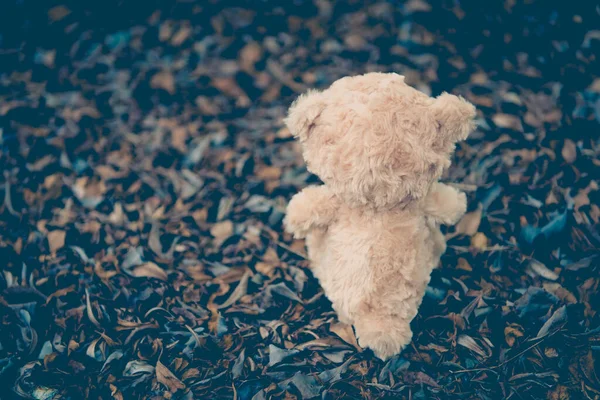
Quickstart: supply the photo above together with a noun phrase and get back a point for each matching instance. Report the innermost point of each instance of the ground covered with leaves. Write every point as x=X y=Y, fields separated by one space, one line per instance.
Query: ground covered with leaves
x=146 y=170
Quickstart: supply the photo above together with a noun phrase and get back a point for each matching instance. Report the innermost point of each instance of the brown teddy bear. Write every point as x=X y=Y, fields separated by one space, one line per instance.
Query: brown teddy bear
x=372 y=230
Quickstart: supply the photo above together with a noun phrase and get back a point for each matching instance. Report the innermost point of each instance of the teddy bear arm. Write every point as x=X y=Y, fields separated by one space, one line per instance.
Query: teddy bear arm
x=445 y=204
x=312 y=208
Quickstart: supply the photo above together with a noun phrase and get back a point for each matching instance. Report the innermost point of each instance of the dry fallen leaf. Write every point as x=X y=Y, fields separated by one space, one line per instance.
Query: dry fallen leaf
x=167 y=378
x=469 y=224
x=59 y=12
x=88 y=308
x=479 y=241
x=221 y=231
x=149 y=270
x=346 y=333
x=541 y=270
x=163 y=80
x=560 y=292
x=508 y=121
x=250 y=55
x=470 y=343
x=239 y=291
x=182 y=34
x=511 y=333
x=569 y=151
x=56 y=240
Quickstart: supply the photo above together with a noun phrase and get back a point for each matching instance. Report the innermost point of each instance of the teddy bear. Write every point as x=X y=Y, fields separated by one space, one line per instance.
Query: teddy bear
x=372 y=229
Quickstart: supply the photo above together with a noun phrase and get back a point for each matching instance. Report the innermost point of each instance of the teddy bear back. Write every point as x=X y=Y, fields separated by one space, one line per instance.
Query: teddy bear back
x=376 y=141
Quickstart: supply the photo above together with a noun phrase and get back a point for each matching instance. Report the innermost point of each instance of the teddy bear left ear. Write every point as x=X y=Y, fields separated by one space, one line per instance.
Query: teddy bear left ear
x=304 y=113
x=454 y=115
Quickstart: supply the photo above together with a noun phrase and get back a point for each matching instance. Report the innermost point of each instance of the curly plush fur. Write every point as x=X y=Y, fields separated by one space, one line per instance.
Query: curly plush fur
x=372 y=230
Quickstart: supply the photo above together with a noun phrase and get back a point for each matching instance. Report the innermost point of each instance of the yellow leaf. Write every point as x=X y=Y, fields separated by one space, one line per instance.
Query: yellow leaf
x=479 y=241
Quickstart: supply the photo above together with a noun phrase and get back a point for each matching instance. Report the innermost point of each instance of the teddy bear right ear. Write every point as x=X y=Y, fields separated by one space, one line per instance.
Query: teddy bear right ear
x=454 y=115
x=304 y=113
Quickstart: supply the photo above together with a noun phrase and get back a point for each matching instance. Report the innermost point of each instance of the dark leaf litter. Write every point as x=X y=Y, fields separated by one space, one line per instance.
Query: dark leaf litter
x=146 y=170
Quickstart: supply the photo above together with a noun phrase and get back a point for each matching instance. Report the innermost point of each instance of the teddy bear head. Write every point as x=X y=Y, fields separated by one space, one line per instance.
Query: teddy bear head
x=375 y=141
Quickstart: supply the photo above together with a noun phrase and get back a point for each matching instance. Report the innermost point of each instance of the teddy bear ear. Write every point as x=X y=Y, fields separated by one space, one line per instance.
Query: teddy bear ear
x=454 y=115
x=304 y=113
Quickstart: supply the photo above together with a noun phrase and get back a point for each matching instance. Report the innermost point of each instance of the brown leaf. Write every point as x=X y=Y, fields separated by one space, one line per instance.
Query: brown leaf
x=167 y=378
x=91 y=350
x=250 y=55
x=560 y=292
x=569 y=151
x=540 y=269
x=264 y=268
x=165 y=31
x=56 y=240
x=73 y=345
x=511 y=333
x=269 y=173
x=154 y=240
x=508 y=121
x=463 y=264
x=115 y=393
x=190 y=373
x=346 y=333
x=281 y=75
x=206 y=106
x=470 y=343
x=469 y=224
x=239 y=291
x=149 y=270
x=550 y=352
x=421 y=378
x=88 y=307
x=164 y=80
x=231 y=89
x=559 y=393
x=179 y=136
x=57 y=13
x=182 y=34
x=221 y=231
x=41 y=163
